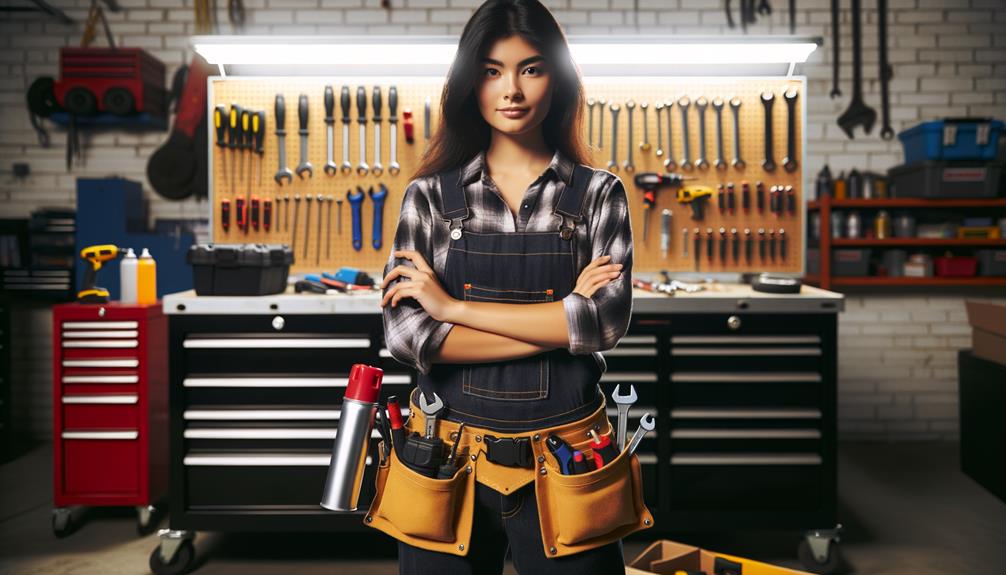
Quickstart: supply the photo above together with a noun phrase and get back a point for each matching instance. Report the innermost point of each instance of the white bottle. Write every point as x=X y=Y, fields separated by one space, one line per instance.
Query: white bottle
x=127 y=277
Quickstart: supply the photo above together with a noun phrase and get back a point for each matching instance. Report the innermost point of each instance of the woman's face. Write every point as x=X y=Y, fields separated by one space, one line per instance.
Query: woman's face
x=514 y=75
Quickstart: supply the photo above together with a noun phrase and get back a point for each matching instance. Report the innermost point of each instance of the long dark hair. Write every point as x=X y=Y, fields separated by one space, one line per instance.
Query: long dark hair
x=463 y=132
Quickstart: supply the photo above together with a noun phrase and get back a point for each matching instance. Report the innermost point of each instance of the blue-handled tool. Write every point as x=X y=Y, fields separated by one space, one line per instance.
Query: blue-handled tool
x=378 y=201
x=563 y=453
x=356 y=203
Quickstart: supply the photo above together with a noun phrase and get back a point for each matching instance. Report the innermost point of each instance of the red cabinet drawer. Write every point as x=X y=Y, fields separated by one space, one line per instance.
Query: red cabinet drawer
x=94 y=467
x=104 y=411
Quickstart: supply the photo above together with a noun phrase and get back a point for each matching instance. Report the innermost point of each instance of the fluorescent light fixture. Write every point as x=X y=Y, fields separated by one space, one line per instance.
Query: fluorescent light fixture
x=432 y=55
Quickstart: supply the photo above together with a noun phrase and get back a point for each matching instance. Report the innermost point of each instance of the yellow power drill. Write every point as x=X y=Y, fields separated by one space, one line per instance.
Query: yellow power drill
x=95 y=256
x=696 y=197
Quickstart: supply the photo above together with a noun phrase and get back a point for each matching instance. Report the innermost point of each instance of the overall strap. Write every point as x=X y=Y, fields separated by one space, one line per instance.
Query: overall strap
x=571 y=200
x=455 y=204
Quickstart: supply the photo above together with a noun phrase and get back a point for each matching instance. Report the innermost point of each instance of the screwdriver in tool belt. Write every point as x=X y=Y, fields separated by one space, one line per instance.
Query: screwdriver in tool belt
x=397 y=429
x=220 y=123
x=604 y=451
x=448 y=469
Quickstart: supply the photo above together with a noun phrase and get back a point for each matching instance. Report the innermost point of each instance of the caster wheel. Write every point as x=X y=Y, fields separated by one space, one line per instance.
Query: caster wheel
x=147 y=519
x=119 y=101
x=62 y=522
x=80 y=101
x=181 y=563
x=811 y=563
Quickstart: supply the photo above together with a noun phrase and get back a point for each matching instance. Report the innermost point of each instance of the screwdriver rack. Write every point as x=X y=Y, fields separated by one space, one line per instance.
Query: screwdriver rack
x=319 y=245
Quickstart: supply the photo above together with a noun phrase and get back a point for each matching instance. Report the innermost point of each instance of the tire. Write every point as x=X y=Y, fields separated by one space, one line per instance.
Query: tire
x=119 y=101
x=180 y=564
x=810 y=563
x=62 y=528
x=80 y=101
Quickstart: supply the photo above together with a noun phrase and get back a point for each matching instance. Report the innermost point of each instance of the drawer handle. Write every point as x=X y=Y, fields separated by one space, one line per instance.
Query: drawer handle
x=101 y=363
x=746 y=339
x=278 y=343
x=83 y=334
x=260 y=414
x=103 y=435
x=746 y=434
x=746 y=377
x=282 y=382
x=747 y=459
x=226 y=460
x=746 y=414
x=104 y=344
x=623 y=376
x=745 y=351
x=101 y=399
x=272 y=433
x=638 y=340
x=100 y=325
x=117 y=379
x=734 y=322
x=631 y=352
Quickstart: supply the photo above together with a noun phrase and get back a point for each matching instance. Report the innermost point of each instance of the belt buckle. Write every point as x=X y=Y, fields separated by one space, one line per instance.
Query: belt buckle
x=509 y=451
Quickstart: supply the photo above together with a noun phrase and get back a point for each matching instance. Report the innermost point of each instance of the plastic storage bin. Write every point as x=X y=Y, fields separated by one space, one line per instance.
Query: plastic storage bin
x=850 y=262
x=952 y=139
x=240 y=269
x=946 y=180
x=991 y=262
x=956 y=267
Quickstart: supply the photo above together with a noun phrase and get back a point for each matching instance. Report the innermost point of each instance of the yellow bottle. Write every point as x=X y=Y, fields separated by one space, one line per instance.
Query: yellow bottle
x=146 y=279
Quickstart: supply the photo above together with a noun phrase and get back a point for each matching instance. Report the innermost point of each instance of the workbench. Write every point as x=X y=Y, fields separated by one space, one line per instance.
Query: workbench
x=256 y=384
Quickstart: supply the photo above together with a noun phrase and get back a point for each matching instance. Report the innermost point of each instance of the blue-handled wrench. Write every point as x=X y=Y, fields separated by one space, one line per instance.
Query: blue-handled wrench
x=356 y=203
x=378 y=201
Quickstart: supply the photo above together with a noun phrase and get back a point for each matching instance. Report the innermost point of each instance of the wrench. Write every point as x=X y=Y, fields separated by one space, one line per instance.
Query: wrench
x=700 y=107
x=720 y=163
x=431 y=411
x=768 y=101
x=283 y=172
x=304 y=165
x=377 y=168
x=613 y=164
x=307 y=223
x=628 y=165
x=645 y=144
x=858 y=114
x=600 y=132
x=886 y=72
x=669 y=163
x=624 y=402
x=764 y=8
x=347 y=167
x=330 y=168
x=590 y=122
x=789 y=162
x=393 y=167
x=378 y=227
x=836 y=91
x=683 y=104
x=647 y=423
x=735 y=107
x=361 y=111
x=355 y=203
x=659 y=107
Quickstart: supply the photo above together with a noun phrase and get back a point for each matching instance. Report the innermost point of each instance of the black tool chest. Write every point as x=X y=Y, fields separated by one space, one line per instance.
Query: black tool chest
x=748 y=443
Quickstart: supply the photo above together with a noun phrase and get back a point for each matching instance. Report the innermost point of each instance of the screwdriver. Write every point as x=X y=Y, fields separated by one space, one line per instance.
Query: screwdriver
x=604 y=451
x=219 y=113
x=258 y=127
x=246 y=144
x=448 y=469
x=233 y=127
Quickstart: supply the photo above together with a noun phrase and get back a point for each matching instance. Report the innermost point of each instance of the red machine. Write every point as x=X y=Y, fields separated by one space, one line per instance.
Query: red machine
x=110 y=410
x=116 y=80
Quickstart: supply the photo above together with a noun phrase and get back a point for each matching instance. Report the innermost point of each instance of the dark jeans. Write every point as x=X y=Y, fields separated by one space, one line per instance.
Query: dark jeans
x=502 y=523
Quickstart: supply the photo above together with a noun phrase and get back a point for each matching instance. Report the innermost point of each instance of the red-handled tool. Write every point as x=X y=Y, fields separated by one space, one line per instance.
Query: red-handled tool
x=604 y=450
x=225 y=214
x=241 y=214
x=397 y=428
x=254 y=212
x=267 y=214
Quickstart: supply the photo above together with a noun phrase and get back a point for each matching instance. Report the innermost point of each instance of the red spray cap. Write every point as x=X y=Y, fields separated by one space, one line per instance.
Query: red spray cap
x=394 y=412
x=364 y=383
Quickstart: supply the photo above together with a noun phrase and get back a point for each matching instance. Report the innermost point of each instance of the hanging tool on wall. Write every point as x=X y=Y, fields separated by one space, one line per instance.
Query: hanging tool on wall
x=686 y=162
x=886 y=72
x=644 y=146
x=735 y=109
x=355 y=204
x=836 y=52
x=330 y=168
x=258 y=123
x=858 y=114
x=283 y=172
x=361 y=117
x=665 y=233
x=768 y=102
x=344 y=105
x=613 y=162
x=304 y=167
x=393 y=167
x=426 y=121
x=695 y=197
x=789 y=163
x=629 y=165
x=307 y=223
x=650 y=183
x=377 y=168
x=377 y=199
x=701 y=104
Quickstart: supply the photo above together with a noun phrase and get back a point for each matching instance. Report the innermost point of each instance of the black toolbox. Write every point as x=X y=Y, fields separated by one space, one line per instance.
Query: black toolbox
x=240 y=269
x=940 y=179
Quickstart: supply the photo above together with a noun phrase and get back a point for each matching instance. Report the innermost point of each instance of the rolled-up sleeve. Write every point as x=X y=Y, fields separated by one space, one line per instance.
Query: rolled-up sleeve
x=410 y=334
x=598 y=322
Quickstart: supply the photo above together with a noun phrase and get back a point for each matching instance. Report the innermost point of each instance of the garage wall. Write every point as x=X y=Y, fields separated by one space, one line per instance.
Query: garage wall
x=898 y=366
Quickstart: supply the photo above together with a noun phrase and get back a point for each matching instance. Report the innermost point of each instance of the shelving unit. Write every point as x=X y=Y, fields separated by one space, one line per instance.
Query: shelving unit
x=826 y=204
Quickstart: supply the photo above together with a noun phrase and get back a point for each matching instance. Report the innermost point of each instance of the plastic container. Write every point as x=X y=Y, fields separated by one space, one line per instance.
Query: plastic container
x=991 y=262
x=937 y=179
x=894 y=262
x=850 y=262
x=956 y=266
x=146 y=279
x=952 y=139
x=127 y=277
x=240 y=269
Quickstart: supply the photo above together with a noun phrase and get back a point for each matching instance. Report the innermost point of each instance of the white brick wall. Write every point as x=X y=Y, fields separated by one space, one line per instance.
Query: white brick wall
x=897 y=353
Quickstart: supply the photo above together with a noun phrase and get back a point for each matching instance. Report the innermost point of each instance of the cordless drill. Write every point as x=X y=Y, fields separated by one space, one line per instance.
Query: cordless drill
x=95 y=256
x=650 y=182
x=696 y=197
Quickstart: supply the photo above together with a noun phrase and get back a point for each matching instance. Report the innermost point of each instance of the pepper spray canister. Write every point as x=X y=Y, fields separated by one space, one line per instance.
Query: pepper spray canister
x=349 y=452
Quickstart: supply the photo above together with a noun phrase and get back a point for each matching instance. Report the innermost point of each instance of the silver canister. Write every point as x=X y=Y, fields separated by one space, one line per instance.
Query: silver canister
x=837 y=225
x=352 y=440
x=853 y=226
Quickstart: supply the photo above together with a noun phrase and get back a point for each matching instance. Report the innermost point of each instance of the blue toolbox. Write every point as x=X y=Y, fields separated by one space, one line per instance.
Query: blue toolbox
x=952 y=139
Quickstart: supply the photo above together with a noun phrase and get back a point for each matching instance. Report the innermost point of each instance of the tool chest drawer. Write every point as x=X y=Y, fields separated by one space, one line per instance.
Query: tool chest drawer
x=110 y=400
x=274 y=388
x=256 y=352
x=746 y=481
x=766 y=389
x=633 y=353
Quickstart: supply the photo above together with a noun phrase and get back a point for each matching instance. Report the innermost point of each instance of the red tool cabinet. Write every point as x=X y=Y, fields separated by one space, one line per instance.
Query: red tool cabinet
x=110 y=410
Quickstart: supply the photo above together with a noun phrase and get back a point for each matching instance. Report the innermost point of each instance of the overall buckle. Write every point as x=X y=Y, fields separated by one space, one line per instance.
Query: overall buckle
x=509 y=451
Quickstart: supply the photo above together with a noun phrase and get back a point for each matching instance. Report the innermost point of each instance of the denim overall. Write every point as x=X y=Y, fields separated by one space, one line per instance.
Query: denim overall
x=515 y=395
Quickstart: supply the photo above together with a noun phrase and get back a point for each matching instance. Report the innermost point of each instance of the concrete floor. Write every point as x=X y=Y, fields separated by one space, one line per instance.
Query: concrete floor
x=907 y=509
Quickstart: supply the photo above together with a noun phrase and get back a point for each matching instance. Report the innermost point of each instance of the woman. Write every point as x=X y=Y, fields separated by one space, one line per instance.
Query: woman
x=510 y=272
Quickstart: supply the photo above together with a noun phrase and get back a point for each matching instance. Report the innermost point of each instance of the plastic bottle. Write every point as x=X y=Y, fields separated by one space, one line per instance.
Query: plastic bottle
x=127 y=277
x=146 y=279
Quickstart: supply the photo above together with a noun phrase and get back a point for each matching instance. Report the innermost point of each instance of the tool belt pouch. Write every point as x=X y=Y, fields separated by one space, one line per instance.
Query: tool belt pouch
x=588 y=510
x=432 y=514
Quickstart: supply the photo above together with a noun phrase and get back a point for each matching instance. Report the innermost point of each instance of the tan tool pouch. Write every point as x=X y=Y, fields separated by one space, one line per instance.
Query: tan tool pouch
x=433 y=514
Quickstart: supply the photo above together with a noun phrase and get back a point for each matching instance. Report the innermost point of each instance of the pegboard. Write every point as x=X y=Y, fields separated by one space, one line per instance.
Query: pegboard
x=335 y=249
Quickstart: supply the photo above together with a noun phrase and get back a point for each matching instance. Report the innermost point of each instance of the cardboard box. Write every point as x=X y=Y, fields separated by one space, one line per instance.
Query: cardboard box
x=988 y=337
x=665 y=557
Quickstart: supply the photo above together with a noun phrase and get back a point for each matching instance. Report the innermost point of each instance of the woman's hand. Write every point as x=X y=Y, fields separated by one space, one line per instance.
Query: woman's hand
x=423 y=286
x=596 y=275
